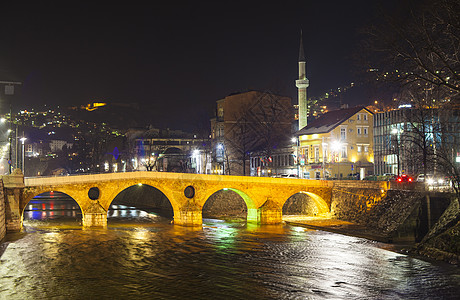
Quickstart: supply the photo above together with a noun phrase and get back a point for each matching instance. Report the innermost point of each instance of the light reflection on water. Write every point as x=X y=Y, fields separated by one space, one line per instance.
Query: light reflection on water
x=142 y=255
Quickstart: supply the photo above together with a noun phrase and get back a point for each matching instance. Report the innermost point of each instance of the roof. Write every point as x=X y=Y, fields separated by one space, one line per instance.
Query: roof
x=330 y=120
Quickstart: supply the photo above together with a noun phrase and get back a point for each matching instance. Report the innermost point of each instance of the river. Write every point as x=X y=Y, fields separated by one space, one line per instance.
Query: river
x=141 y=255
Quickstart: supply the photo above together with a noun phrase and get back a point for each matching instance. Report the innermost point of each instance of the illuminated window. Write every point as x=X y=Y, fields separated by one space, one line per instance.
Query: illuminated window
x=344 y=152
x=343 y=133
x=366 y=149
x=316 y=154
x=359 y=148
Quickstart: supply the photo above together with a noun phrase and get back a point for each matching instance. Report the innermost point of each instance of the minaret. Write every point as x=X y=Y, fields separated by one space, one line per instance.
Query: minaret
x=302 y=84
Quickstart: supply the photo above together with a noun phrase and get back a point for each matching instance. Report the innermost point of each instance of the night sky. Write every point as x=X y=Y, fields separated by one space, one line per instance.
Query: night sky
x=176 y=60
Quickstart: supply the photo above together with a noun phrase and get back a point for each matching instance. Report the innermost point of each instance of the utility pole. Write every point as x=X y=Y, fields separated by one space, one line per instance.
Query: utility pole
x=9 y=90
x=16 y=148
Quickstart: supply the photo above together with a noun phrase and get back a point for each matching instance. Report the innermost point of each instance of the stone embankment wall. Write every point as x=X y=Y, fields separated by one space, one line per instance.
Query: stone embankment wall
x=401 y=215
x=223 y=204
x=443 y=240
x=2 y=212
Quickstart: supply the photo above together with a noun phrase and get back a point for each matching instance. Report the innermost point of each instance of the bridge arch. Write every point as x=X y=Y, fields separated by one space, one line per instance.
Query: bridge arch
x=144 y=195
x=320 y=205
x=248 y=199
x=226 y=202
x=115 y=190
x=39 y=192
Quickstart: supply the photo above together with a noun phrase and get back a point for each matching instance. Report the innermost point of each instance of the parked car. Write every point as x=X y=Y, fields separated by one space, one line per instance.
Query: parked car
x=288 y=175
x=432 y=180
x=404 y=178
x=389 y=177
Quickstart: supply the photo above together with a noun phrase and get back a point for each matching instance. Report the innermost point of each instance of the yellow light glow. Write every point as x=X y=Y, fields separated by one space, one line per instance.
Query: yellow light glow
x=94 y=106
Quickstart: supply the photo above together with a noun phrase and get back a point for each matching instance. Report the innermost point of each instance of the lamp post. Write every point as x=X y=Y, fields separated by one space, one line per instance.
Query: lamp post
x=23 y=139
x=221 y=153
x=296 y=141
x=396 y=132
x=336 y=146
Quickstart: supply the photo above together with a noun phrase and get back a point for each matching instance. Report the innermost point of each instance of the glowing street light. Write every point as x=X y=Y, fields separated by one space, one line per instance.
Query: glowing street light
x=23 y=139
x=336 y=147
x=396 y=132
x=296 y=141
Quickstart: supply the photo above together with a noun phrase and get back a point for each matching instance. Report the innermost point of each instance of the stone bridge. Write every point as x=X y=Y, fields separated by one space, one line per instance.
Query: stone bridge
x=187 y=193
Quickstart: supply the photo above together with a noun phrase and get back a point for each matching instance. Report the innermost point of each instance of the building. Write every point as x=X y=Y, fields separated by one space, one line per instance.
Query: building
x=247 y=122
x=57 y=145
x=409 y=140
x=281 y=163
x=337 y=145
x=168 y=150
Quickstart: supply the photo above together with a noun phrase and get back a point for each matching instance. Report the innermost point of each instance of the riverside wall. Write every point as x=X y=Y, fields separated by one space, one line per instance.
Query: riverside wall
x=401 y=215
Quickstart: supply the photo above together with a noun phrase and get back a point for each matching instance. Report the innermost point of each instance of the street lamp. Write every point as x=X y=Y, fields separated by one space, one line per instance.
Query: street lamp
x=396 y=132
x=336 y=146
x=196 y=157
x=23 y=139
x=221 y=153
x=296 y=141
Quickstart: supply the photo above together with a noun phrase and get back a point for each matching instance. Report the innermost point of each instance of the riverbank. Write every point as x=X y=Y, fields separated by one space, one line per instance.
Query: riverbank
x=342 y=227
x=435 y=250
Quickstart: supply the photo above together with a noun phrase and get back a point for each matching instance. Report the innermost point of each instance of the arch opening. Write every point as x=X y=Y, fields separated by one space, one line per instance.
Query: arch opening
x=227 y=204
x=304 y=206
x=141 y=203
x=53 y=206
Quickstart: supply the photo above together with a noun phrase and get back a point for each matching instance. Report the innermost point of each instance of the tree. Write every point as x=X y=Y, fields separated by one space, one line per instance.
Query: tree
x=260 y=125
x=420 y=46
x=419 y=50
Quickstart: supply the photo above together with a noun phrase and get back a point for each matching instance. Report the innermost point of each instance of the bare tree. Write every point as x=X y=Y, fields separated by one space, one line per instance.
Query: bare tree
x=260 y=125
x=420 y=51
x=419 y=46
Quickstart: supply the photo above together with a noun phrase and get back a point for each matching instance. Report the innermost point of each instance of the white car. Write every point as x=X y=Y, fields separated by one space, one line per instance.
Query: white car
x=431 y=180
x=288 y=176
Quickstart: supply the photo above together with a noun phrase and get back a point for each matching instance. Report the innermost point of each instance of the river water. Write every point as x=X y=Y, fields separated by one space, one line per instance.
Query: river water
x=141 y=255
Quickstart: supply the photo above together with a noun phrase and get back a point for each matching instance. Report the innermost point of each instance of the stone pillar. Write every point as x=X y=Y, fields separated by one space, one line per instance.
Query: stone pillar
x=188 y=215
x=95 y=216
x=13 y=189
x=269 y=213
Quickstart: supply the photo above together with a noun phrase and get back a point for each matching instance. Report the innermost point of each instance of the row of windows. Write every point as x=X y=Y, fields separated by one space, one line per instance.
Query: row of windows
x=362 y=130
x=275 y=161
x=360 y=117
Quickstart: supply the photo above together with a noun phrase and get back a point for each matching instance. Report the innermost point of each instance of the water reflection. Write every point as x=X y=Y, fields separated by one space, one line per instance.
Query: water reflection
x=51 y=205
x=142 y=255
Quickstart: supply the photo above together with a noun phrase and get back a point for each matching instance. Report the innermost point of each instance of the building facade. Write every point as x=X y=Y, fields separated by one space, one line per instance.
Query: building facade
x=168 y=151
x=247 y=122
x=411 y=140
x=281 y=163
x=337 y=145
